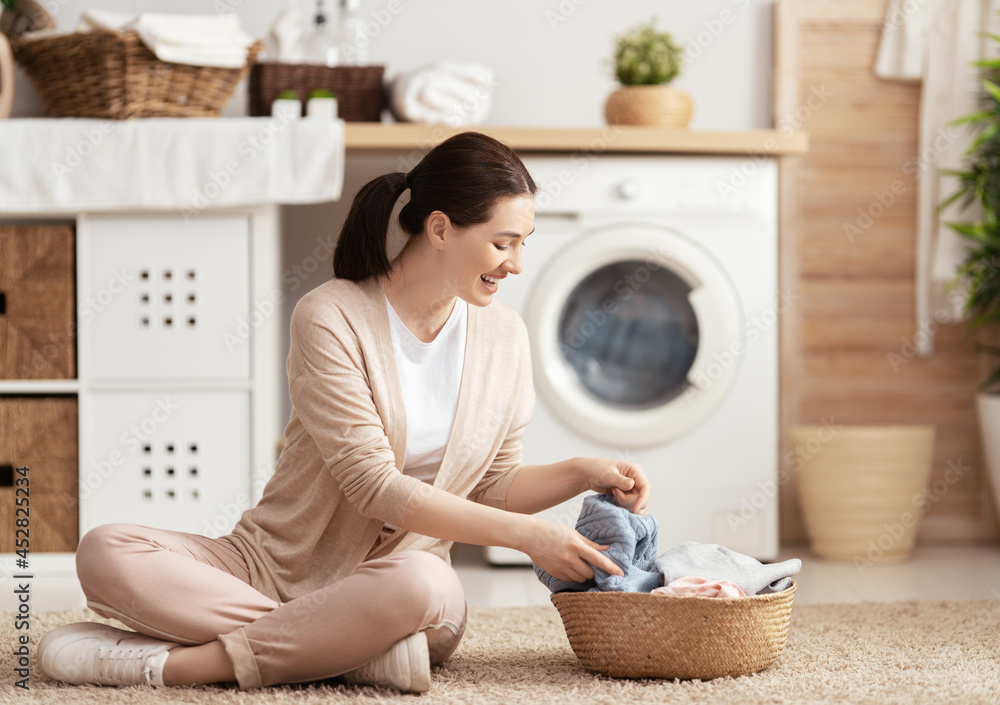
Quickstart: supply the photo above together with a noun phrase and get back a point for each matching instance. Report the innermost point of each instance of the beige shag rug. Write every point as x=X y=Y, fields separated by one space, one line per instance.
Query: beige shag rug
x=903 y=652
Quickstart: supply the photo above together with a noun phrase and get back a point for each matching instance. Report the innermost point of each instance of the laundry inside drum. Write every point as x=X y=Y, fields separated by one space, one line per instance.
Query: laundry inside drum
x=630 y=334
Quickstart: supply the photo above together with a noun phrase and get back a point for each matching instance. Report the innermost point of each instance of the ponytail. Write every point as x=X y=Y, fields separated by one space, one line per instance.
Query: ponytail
x=464 y=177
x=361 y=248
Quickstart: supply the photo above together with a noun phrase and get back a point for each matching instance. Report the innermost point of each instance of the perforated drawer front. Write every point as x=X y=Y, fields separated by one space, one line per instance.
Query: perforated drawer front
x=165 y=297
x=172 y=461
x=39 y=433
x=37 y=322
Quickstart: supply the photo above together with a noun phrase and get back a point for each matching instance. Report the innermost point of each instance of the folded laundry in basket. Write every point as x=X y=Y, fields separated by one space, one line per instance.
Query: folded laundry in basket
x=631 y=539
x=693 y=586
x=715 y=562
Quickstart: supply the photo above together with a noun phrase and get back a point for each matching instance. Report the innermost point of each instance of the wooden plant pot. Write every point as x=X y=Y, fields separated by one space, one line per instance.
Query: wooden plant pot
x=660 y=106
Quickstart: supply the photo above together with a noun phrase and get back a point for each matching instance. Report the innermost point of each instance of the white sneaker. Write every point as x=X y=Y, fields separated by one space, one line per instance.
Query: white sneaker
x=99 y=654
x=406 y=666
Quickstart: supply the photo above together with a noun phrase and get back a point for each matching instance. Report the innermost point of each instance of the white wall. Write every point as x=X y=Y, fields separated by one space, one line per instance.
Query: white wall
x=550 y=57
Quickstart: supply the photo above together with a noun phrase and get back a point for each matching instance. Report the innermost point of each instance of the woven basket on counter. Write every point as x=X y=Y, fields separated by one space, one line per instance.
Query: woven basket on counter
x=360 y=95
x=111 y=74
x=648 y=635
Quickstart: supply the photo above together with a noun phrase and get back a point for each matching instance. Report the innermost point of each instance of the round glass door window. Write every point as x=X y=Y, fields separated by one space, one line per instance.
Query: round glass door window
x=630 y=334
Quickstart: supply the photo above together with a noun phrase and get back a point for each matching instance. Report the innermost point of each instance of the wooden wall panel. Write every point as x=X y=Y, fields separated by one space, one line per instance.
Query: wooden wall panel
x=856 y=292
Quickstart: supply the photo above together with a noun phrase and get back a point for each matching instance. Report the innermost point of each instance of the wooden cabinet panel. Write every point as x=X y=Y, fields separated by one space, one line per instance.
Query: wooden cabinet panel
x=37 y=318
x=856 y=305
x=41 y=433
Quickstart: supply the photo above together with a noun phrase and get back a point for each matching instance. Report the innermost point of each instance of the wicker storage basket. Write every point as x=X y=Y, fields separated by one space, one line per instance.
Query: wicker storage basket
x=644 y=635
x=40 y=432
x=111 y=74
x=37 y=295
x=360 y=95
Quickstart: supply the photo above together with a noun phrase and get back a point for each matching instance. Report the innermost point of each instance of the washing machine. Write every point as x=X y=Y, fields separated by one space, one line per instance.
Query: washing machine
x=650 y=293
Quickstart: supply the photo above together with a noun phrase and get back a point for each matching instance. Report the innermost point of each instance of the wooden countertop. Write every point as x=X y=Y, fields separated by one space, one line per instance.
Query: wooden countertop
x=609 y=139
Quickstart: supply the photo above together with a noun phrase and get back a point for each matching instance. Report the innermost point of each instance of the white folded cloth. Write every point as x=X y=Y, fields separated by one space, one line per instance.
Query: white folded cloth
x=104 y=19
x=450 y=93
x=199 y=40
x=74 y=165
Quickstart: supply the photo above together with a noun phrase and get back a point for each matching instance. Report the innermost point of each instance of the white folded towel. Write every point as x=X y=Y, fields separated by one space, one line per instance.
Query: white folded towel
x=450 y=93
x=104 y=19
x=199 y=40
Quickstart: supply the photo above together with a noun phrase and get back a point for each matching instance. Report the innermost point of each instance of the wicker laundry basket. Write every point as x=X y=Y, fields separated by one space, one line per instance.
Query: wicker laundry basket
x=111 y=74
x=648 y=635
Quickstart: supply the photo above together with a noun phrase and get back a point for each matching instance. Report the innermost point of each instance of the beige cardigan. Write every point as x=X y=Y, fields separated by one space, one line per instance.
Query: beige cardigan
x=337 y=480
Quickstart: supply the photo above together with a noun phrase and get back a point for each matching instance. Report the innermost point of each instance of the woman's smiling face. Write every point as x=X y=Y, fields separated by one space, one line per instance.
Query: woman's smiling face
x=477 y=258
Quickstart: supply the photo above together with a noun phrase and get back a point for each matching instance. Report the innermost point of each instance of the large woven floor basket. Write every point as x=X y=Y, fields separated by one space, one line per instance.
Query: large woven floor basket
x=111 y=74
x=646 y=635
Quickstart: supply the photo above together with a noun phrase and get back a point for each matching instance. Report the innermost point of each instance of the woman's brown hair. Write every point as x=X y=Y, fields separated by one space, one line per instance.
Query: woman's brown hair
x=464 y=177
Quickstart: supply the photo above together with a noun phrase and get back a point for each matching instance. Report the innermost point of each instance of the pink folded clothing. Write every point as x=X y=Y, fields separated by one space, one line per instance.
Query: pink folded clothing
x=693 y=586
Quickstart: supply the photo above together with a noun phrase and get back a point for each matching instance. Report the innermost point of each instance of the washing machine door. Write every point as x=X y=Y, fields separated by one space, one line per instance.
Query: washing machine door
x=636 y=334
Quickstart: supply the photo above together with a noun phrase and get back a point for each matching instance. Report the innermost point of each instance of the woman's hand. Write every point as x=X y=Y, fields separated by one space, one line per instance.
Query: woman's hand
x=565 y=553
x=625 y=480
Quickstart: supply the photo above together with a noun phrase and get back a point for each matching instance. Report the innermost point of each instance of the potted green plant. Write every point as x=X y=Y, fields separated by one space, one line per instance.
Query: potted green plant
x=645 y=62
x=978 y=278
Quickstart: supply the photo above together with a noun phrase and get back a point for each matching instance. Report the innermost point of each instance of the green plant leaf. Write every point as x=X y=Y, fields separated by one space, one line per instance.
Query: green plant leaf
x=987 y=63
x=991 y=381
x=973 y=231
x=971 y=118
x=9 y=4
x=992 y=88
x=978 y=183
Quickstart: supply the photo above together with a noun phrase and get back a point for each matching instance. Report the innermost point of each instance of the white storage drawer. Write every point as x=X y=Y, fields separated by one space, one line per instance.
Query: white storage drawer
x=164 y=298
x=170 y=460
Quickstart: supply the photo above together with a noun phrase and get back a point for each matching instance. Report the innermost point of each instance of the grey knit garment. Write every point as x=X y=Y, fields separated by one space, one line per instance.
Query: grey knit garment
x=632 y=541
x=715 y=562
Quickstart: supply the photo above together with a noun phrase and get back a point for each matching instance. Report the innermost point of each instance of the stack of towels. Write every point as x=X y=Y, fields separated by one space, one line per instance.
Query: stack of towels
x=691 y=568
x=199 y=40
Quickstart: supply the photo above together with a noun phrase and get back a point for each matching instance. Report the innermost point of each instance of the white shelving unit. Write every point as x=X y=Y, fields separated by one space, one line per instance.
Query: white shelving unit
x=178 y=280
x=178 y=383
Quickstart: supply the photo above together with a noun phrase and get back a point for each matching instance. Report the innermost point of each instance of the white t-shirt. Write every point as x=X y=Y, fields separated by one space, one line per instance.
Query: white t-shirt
x=430 y=375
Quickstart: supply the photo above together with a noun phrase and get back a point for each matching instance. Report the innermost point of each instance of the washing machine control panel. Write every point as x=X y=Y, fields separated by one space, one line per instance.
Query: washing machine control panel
x=693 y=185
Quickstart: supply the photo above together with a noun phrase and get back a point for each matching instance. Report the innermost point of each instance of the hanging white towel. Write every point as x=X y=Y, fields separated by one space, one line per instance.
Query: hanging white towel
x=936 y=41
x=902 y=51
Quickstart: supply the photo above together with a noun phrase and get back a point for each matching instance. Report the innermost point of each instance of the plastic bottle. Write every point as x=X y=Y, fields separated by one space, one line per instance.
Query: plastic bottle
x=285 y=40
x=353 y=38
x=322 y=44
